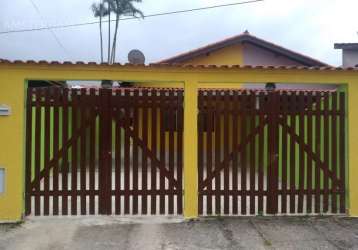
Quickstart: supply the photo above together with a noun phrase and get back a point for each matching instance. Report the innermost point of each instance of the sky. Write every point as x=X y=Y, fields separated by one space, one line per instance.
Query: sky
x=310 y=27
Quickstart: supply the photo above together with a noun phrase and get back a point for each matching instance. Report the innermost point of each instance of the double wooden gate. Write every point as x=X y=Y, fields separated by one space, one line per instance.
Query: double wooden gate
x=104 y=151
x=263 y=152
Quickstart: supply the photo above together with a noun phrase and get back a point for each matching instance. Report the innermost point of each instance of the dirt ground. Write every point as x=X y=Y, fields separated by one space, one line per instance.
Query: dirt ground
x=106 y=232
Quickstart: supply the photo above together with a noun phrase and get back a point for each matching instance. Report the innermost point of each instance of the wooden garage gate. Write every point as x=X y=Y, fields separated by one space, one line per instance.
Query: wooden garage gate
x=104 y=151
x=120 y=151
x=270 y=152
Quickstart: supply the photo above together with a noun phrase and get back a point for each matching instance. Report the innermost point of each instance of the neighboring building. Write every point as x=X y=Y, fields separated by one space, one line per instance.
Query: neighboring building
x=349 y=54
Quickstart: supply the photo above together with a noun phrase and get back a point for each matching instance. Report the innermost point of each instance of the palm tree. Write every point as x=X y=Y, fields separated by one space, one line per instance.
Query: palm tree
x=123 y=8
x=119 y=8
x=99 y=10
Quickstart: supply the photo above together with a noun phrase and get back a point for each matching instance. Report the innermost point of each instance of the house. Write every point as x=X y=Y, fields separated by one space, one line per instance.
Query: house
x=247 y=49
x=349 y=54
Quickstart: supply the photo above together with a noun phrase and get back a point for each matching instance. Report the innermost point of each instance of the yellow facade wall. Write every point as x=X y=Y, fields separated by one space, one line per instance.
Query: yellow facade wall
x=230 y=55
x=12 y=128
x=12 y=89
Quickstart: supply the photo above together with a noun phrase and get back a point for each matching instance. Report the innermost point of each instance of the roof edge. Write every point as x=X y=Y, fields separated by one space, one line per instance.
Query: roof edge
x=245 y=37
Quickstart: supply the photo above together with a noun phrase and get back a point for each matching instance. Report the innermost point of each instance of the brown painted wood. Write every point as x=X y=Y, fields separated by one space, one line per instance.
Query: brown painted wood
x=272 y=177
x=92 y=149
x=318 y=150
x=74 y=96
x=56 y=122
x=334 y=166
x=144 y=156
x=162 y=136
x=293 y=102
x=38 y=93
x=235 y=140
x=210 y=102
x=252 y=151
x=309 y=159
x=284 y=163
x=243 y=151
x=46 y=152
x=326 y=153
x=218 y=109
x=135 y=150
x=118 y=150
x=226 y=121
x=262 y=107
x=179 y=189
x=301 y=164
x=154 y=147
x=342 y=152
x=172 y=129
x=83 y=109
x=65 y=164
x=29 y=138
x=126 y=105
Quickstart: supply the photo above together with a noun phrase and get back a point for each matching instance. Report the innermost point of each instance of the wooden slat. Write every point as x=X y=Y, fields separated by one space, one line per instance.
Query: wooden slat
x=154 y=146
x=243 y=107
x=38 y=93
x=318 y=150
x=271 y=145
x=126 y=103
x=163 y=111
x=342 y=151
x=293 y=103
x=92 y=149
x=261 y=154
x=218 y=110
x=144 y=156
x=326 y=153
x=272 y=177
x=56 y=133
x=226 y=103
x=28 y=169
x=252 y=151
x=209 y=158
x=301 y=164
x=334 y=152
x=65 y=167
x=172 y=125
x=284 y=164
x=84 y=104
x=200 y=147
x=309 y=159
x=74 y=153
x=108 y=149
x=180 y=152
x=135 y=152
x=46 y=152
x=118 y=149
x=235 y=140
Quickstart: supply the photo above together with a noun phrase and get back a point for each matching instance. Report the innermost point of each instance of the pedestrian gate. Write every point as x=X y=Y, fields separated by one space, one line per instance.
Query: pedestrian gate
x=269 y=152
x=104 y=151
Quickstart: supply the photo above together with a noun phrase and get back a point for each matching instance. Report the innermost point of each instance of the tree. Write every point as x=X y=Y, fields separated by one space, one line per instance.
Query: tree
x=119 y=8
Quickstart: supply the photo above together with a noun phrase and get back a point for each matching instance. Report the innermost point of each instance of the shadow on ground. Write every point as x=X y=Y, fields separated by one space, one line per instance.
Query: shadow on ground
x=174 y=233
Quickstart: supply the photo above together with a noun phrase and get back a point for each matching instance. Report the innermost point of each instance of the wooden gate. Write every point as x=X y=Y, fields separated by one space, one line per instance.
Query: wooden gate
x=278 y=152
x=103 y=151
